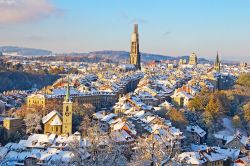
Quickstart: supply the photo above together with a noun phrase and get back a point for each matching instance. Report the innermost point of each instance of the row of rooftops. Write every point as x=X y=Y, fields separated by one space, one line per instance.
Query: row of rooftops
x=202 y=154
x=226 y=139
x=12 y=99
x=116 y=86
x=46 y=149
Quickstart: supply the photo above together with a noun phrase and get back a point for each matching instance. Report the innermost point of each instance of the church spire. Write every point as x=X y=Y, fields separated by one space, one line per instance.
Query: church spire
x=136 y=28
x=217 y=63
x=67 y=97
x=67 y=112
x=217 y=58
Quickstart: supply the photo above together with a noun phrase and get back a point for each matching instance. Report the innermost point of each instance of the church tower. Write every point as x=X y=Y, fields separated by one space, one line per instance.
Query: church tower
x=135 y=57
x=193 y=59
x=67 y=112
x=217 y=63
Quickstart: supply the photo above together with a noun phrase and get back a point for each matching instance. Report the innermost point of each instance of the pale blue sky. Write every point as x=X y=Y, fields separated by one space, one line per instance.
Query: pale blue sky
x=169 y=27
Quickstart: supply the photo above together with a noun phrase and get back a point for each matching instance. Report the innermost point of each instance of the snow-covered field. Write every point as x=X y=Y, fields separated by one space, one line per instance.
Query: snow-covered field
x=229 y=128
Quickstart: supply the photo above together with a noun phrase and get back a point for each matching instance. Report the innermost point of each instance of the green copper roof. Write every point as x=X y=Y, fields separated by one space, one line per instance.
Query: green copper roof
x=67 y=97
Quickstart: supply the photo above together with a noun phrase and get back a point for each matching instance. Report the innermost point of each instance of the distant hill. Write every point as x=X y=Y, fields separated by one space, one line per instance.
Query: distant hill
x=95 y=56
x=123 y=56
x=21 y=51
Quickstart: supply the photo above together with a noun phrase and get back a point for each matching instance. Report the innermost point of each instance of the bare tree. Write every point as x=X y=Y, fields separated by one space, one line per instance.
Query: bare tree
x=33 y=123
x=150 y=151
x=104 y=151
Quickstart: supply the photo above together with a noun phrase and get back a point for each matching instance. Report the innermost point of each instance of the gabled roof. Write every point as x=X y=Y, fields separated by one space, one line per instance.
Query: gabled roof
x=56 y=121
x=108 y=117
x=50 y=115
x=197 y=130
x=119 y=125
x=192 y=158
x=242 y=139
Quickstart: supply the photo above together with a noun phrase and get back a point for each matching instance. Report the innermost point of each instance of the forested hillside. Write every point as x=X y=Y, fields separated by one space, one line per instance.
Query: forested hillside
x=232 y=103
x=10 y=80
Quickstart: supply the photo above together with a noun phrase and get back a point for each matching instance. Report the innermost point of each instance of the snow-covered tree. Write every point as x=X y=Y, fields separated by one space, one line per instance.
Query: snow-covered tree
x=104 y=151
x=74 y=147
x=89 y=109
x=33 y=123
x=150 y=151
x=85 y=125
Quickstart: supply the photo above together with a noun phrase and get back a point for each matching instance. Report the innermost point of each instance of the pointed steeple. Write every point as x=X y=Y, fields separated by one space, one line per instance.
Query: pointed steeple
x=67 y=113
x=217 y=61
x=67 y=97
x=136 y=28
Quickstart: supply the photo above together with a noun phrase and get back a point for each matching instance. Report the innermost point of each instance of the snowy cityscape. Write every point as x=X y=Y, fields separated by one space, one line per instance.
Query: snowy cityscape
x=120 y=108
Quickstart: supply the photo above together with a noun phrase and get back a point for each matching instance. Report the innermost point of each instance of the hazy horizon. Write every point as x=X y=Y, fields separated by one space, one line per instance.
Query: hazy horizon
x=165 y=27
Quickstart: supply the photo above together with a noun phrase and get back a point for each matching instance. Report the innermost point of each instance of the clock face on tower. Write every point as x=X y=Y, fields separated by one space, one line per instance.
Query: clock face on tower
x=67 y=113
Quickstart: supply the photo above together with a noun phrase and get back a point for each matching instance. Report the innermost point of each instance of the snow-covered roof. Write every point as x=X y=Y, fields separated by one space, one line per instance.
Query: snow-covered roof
x=17 y=146
x=108 y=117
x=175 y=131
x=41 y=96
x=148 y=119
x=62 y=91
x=121 y=136
x=12 y=155
x=127 y=66
x=50 y=115
x=99 y=115
x=214 y=156
x=232 y=153
x=46 y=155
x=65 y=157
x=182 y=94
x=3 y=152
x=119 y=126
x=229 y=138
x=216 y=153
x=166 y=104
x=194 y=158
x=39 y=140
x=197 y=130
x=22 y=155
x=140 y=114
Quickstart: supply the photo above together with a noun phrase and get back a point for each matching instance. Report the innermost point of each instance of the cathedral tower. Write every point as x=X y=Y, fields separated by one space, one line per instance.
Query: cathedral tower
x=135 y=57
x=193 y=59
x=67 y=112
x=217 y=63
